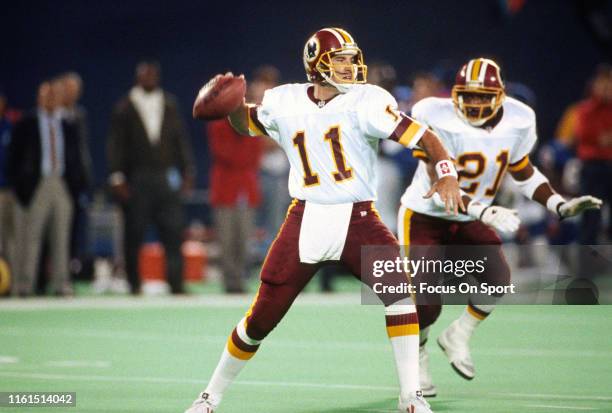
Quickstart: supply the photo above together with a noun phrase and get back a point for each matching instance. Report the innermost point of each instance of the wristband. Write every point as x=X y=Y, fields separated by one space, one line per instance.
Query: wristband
x=445 y=168
x=554 y=202
x=476 y=209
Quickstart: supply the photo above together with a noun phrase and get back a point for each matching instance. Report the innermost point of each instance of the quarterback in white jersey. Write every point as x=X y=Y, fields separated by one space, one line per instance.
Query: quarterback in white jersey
x=332 y=146
x=330 y=129
x=486 y=134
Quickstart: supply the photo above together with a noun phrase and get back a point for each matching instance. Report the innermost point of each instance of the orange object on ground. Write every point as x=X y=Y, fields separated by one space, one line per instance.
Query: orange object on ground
x=194 y=261
x=152 y=261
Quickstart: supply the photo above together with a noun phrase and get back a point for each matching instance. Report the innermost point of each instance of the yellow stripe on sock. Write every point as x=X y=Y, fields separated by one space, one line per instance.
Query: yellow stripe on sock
x=403 y=330
x=236 y=352
x=475 y=314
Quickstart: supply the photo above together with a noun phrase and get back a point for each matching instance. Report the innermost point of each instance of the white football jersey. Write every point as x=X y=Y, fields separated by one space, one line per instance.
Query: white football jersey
x=482 y=156
x=332 y=146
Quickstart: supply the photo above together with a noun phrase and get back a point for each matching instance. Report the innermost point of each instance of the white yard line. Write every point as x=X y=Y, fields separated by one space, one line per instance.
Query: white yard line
x=204 y=300
x=332 y=386
x=550 y=406
x=8 y=360
x=555 y=396
x=79 y=363
x=382 y=346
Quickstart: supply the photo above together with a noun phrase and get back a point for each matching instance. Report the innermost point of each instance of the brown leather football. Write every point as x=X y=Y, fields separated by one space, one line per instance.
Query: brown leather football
x=222 y=95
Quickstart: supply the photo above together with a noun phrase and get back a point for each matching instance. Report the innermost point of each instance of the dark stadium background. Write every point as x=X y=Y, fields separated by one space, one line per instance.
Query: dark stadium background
x=546 y=46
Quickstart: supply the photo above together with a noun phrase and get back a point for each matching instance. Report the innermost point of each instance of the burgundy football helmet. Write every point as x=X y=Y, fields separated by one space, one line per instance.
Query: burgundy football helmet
x=319 y=50
x=478 y=92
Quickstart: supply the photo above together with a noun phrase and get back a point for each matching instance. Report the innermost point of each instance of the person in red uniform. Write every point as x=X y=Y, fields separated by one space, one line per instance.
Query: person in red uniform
x=234 y=195
x=594 y=149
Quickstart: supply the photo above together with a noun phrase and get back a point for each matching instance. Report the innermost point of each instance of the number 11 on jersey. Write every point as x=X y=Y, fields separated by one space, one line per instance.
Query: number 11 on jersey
x=341 y=173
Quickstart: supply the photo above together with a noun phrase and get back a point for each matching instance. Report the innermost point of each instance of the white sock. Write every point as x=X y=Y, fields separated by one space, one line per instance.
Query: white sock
x=232 y=362
x=403 y=332
x=225 y=373
x=472 y=316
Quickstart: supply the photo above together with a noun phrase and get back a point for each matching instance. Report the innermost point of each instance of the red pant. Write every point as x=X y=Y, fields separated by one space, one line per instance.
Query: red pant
x=283 y=276
x=417 y=231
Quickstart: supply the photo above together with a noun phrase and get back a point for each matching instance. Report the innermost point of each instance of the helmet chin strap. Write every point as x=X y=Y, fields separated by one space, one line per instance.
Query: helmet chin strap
x=342 y=87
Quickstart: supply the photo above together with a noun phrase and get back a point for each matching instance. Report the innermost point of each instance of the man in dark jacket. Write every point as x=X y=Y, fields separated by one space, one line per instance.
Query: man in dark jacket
x=150 y=164
x=45 y=169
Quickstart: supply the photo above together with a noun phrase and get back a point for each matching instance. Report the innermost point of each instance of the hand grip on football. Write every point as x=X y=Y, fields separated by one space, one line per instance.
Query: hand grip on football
x=222 y=95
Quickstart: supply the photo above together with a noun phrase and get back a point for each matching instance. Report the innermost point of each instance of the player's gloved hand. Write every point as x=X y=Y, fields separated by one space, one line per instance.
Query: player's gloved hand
x=502 y=219
x=576 y=205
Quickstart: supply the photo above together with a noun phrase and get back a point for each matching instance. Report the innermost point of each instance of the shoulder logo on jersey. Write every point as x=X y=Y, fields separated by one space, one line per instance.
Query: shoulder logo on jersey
x=311 y=51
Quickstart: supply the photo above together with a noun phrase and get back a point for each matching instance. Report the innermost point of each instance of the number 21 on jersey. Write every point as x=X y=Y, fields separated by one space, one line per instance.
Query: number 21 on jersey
x=341 y=173
x=480 y=162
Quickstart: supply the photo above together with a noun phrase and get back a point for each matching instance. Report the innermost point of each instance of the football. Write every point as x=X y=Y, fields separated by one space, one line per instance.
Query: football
x=222 y=95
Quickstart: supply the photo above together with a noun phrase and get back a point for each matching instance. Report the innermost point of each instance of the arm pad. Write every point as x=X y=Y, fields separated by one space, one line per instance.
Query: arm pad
x=529 y=185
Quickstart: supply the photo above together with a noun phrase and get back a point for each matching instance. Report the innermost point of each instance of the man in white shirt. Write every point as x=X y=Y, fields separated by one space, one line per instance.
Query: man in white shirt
x=150 y=165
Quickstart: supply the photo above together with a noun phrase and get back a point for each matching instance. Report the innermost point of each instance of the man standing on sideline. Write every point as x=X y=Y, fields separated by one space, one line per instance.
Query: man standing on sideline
x=150 y=166
x=7 y=227
x=44 y=169
x=234 y=194
x=76 y=114
x=594 y=149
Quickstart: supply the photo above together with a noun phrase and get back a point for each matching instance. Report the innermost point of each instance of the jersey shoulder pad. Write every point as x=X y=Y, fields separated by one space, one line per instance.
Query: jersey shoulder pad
x=283 y=92
x=376 y=94
x=281 y=99
x=433 y=110
x=522 y=115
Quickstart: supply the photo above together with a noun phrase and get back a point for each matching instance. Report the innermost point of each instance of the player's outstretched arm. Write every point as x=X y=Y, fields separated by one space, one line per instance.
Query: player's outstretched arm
x=239 y=119
x=534 y=185
x=446 y=185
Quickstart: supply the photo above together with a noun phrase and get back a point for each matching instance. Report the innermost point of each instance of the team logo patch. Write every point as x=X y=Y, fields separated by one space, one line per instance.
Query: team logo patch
x=311 y=51
x=445 y=168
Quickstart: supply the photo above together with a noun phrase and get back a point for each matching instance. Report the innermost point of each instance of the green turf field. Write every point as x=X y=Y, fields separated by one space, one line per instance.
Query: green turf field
x=329 y=355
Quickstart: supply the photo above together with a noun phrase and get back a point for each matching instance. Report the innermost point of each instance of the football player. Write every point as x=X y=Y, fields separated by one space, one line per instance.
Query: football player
x=487 y=135
x=330 y=129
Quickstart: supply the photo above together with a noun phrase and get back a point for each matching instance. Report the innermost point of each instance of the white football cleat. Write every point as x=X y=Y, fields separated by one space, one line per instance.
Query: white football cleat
x=416 y=404
x=425 y=381
x=202 y=405
x=454 y=341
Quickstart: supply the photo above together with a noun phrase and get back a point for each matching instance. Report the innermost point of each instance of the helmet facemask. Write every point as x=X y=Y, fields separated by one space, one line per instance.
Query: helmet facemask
x=477 y=113
x=333 y=73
